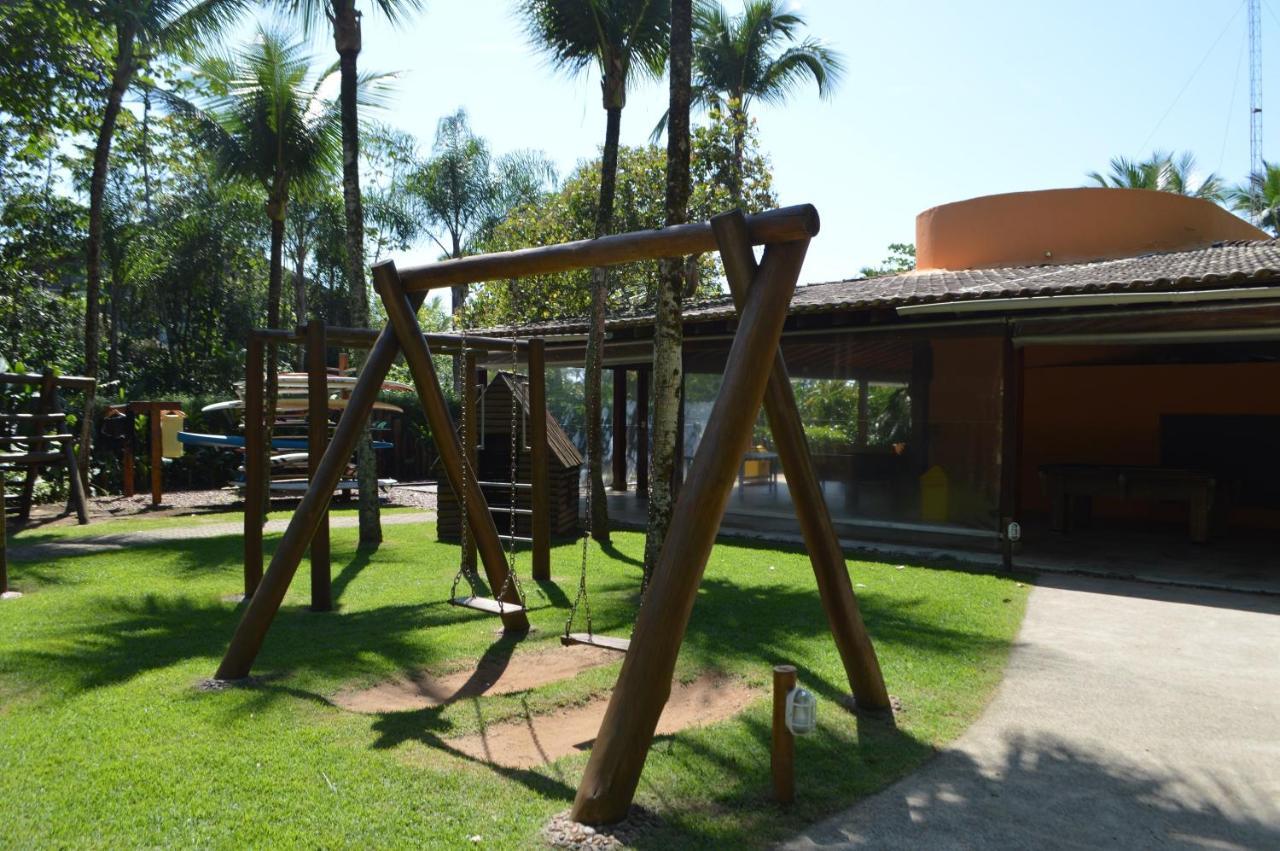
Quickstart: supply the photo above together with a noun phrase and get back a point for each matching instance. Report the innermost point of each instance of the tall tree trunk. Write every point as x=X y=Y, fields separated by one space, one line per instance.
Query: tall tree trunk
x=120 y=77
x=738 y=117
x=275 y=283
x=346 y=30
x=300 y=289
x=457 y=300
x=595 y=336
x=668 y=332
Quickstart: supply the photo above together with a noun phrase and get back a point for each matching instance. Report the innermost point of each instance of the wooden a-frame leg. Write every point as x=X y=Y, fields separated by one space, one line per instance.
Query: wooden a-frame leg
x=834 y=588
x=626 y=733
x=402 y=317
x=265 y=602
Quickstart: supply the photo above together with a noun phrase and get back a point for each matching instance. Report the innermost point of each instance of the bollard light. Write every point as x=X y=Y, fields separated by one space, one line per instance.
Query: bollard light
x=802 y=711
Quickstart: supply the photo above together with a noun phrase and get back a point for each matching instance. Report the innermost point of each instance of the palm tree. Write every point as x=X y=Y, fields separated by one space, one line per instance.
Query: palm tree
x=1260 y=196
x=758 y=54
x=264 y=121
x=140 y=29
x=668 y=336
x=344 y=19
x=1162 y=172
x=620 y=39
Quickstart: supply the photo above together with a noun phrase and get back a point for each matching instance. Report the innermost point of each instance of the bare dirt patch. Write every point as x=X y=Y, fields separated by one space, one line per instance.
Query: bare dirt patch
x=492 y=675
x=535 y=740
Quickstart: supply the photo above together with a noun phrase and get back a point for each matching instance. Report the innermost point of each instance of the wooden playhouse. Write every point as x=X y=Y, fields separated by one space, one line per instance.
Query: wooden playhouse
x=493 y=465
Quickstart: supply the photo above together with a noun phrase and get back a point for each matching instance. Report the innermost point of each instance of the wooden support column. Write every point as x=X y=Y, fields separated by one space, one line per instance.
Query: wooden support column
x=254 y=464
x=642 y=431
x=4 y=541
x=470 y=442
x=619 y=429
x=677 y=468
x=401 y=316
x=317 y=439
x=156 y=448
x=844 y=618
x=262 y=608
x=782 y=757
x=539 y=460
x=1010 y=440
x=626 y=733
x=78 y=499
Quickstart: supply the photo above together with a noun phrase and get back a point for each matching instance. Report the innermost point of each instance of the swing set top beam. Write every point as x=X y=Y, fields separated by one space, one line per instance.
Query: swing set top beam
x=788 y=224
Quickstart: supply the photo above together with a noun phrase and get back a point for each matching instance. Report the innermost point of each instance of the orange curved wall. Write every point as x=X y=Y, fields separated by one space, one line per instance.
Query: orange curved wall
x=1055 y=226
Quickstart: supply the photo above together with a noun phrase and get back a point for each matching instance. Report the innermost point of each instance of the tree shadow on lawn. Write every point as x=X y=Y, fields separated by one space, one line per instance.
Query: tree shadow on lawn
x=135 y=635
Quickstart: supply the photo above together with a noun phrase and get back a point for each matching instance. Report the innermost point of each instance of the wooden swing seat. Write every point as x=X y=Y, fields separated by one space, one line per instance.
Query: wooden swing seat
x=590 y=639
x=487 y=605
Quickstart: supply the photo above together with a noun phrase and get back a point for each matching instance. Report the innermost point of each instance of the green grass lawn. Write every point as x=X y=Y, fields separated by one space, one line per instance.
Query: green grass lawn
x=106 y=741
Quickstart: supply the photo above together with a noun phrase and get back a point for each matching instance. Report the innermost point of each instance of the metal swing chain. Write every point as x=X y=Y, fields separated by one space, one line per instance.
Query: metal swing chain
x=464 y=514
x=512 y=580
x=582 y=600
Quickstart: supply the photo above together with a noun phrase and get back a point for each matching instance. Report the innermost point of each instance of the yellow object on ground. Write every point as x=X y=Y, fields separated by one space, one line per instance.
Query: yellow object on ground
x=934 y=495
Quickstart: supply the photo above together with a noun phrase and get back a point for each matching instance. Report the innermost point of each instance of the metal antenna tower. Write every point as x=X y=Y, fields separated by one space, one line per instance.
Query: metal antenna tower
x=1255 y=97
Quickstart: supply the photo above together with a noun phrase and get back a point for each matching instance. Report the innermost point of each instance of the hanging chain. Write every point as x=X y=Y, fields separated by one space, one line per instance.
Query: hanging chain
x=512 y=581
x=466 y=568
x=582 y=600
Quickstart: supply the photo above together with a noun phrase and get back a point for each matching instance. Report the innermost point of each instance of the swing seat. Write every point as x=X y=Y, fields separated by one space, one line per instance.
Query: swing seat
x=590 y=639
x=487 y=605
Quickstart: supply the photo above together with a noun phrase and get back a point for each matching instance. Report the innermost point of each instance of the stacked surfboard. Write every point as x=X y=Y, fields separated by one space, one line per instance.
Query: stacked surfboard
x=290 y=455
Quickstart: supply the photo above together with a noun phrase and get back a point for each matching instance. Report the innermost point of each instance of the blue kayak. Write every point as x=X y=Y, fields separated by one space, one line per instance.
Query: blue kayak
x=235 y=441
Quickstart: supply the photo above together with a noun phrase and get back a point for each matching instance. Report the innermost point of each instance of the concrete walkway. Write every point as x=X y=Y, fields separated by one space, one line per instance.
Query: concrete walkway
x=90 y=544
x=1131 y=716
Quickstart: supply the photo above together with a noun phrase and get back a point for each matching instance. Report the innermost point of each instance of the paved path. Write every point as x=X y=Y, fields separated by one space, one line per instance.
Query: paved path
x=89 y=544
x=1131 y=716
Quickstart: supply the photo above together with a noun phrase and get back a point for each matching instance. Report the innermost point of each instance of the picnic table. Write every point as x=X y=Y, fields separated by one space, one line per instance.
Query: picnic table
x=1072 y=487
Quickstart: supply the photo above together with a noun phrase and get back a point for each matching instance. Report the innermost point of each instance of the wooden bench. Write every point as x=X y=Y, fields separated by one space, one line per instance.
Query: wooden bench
x=1072 y=487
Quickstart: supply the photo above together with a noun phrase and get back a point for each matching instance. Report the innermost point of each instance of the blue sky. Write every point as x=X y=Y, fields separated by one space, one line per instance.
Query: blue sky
x=941 y=101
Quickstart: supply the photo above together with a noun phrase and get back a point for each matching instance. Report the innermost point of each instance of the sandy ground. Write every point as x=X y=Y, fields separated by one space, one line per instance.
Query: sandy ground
x=520 y=672
x=535 y=740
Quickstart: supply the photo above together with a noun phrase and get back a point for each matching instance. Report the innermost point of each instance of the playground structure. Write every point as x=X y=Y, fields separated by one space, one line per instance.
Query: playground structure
x=31 y=450
x=755 y=375
x=316 y=337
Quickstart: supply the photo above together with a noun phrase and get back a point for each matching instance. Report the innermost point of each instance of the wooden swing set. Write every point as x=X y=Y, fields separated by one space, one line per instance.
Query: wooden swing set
x=755 y=375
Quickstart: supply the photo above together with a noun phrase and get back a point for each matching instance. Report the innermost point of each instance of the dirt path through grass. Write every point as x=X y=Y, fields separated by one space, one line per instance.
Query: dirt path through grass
x=534 y=740
x=492 y=676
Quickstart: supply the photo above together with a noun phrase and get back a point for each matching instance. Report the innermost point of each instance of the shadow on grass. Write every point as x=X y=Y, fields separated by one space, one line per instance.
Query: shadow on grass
x=134 y=635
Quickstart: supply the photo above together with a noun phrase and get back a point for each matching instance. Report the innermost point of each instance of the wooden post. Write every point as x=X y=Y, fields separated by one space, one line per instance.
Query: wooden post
x=834 y=588
x=619 y=429
x=626 y=733
x=782 y=758
x=157 y=454
x=642 y=432
x=126 y=463
x=539 y=460
x=677 y=468
x=262 y=608
x=470 y=441
x=317 y=439
x=254 y=474
x=402 y=317
x=79 y=501
x=4 y=541
x=1010 y=430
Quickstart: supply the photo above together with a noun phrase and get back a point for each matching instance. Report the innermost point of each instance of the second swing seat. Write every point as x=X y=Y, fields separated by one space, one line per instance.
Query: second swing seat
x=487 y=604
